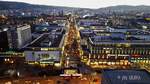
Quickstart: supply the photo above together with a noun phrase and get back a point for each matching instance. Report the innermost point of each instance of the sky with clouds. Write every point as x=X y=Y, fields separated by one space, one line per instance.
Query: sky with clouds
x=85 y=3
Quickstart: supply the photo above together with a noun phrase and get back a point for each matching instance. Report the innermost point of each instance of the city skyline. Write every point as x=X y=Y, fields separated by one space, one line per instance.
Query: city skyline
x=68 y=42
x=94 y=4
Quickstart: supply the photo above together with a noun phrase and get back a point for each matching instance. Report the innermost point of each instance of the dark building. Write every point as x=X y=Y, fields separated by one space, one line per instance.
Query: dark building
x=3 y=41
x=125 y=77
x=15 y=37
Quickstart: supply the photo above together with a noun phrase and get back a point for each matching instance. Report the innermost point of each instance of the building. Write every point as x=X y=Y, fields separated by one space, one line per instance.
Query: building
x=3 y=41
x=19 y=36
x=47 y=27
x=11 y=57
x=125 y=77
x=118 y=48
x=87 y=22
x=115 y=47
x=47 y=49
x=24 y=35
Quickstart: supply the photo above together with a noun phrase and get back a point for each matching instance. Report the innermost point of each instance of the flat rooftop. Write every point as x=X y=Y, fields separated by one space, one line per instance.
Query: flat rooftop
x=109 y=40
x=117 y=37
x=138 y=32
x=49 y=27
x=121 y=27
x=46 y=40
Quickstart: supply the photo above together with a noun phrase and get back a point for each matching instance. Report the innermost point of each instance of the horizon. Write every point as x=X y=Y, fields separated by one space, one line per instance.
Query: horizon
x=95 y=4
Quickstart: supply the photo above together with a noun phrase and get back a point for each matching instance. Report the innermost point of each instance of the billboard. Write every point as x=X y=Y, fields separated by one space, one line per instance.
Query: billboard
x=42 y=56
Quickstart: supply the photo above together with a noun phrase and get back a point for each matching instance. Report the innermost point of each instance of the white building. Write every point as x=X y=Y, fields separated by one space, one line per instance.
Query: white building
x=24 y=35
x=19 y=36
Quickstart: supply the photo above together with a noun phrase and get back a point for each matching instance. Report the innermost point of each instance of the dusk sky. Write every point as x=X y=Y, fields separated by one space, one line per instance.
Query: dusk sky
x=85 y=3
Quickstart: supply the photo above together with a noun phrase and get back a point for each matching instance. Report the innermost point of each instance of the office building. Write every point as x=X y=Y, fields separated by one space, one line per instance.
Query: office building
x=19 y=36
x=47 y=49
x=118 y=46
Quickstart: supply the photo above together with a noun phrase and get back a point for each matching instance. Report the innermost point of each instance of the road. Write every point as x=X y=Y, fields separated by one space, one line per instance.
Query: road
x=72 y=45
x=73 y=49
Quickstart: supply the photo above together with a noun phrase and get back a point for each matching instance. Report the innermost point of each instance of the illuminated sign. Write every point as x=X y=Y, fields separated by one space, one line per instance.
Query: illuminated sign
x=66 y=75
x=42 y=56
x=123 y=55
x=148 y=19
x=135 y=55
x=50 y=49
x=70 y=71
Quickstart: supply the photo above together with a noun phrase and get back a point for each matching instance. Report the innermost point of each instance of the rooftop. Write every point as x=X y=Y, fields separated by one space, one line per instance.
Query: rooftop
x=126 y=76
x=116 y=40
x=48 y=27
x=46 y=40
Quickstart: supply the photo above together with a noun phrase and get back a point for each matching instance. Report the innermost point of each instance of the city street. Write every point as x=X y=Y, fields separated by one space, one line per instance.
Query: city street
x=81 y=42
